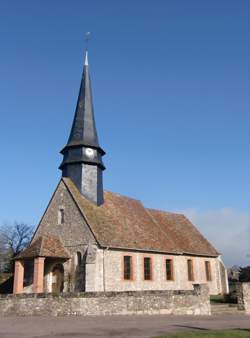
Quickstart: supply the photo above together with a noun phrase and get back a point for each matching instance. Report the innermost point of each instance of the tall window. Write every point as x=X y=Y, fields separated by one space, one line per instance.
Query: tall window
x=208 y=271
x=190 y=270
x=79 y=258
x=60 y=216
x=127 y=267
x=169 y=269
x=147 y=268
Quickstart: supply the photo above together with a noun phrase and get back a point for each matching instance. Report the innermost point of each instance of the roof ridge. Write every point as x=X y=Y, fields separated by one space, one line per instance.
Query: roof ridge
x=166 y=212
x=122 y=195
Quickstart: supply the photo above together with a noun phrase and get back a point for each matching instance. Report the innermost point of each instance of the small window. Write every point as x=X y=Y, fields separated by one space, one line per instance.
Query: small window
x=208 y=271
x=127 y=267
x=147 y=268
x=190 y=270
x=60 y=216
x=169 y=269
x=79 y=258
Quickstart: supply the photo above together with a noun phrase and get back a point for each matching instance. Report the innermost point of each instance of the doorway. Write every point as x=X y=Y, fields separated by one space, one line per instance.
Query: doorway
x=57 y=278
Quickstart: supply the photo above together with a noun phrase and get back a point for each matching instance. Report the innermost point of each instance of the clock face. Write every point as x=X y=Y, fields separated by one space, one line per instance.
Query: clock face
x=89 y=152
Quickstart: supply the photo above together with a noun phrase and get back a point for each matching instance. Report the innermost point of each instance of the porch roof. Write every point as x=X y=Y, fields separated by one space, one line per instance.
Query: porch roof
x=45 y=246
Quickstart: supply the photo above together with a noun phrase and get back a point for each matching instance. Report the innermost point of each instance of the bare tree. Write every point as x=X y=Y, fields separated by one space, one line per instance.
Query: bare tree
x=13 y=239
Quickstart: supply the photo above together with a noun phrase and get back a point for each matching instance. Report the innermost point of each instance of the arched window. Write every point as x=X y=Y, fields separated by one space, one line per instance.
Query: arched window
x=61 y=216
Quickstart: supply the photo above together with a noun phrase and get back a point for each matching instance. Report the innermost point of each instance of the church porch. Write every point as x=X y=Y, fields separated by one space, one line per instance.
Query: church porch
x=40 y=268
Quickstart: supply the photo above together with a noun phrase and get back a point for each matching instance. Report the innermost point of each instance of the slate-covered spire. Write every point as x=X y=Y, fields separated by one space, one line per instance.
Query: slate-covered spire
x=83 y=131
x=82 y=160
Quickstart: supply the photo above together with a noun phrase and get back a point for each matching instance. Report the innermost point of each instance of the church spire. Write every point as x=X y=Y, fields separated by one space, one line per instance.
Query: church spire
x=82 y=160
x=83 y=131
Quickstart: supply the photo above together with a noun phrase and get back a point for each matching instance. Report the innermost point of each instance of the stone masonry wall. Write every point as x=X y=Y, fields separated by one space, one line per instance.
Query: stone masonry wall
x=243 y=296
x=105 y=273
x=74 y=232
x=194 y=302
x=109 y=272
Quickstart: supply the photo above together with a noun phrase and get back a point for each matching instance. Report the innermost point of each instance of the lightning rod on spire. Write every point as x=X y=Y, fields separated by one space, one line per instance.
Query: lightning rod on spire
x=87 y=38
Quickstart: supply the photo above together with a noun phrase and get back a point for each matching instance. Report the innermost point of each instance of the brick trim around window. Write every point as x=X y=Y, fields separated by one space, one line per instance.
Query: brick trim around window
x=150 y=257
x=131 y=267
x=190 y=270
x=172 y=270
x=208 y=271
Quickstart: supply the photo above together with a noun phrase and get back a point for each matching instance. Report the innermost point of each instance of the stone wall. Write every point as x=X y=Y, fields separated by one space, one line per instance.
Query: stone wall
x=75 y=236
x=243 y=296
x=195 y=302
x=109 y=272
x=105 y=272
x=74 y=232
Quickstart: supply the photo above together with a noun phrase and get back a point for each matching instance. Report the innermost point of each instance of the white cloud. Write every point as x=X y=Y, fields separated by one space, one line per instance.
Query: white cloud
x=228 y=230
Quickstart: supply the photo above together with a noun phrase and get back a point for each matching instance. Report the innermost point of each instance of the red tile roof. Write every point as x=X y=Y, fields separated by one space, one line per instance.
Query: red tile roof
x=45 y=246
x=123 y=222
x=184 y=234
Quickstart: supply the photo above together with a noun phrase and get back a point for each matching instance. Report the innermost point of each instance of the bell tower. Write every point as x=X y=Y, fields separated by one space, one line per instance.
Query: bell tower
x=82 y=155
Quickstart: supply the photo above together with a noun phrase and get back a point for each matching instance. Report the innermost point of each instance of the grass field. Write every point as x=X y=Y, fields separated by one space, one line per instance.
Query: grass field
x=217 y=299
x=209 y=334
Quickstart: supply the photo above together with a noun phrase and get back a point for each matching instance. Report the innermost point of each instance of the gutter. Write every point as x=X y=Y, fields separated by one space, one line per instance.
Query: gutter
x=179 y=253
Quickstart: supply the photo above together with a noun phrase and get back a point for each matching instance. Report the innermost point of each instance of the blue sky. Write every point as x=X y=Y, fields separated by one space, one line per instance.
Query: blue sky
x=171 y=82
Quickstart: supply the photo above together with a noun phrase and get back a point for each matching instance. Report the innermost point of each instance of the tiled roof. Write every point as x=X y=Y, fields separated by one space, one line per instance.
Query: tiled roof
x=184 y=234
x=45 y=246
x=123 y=222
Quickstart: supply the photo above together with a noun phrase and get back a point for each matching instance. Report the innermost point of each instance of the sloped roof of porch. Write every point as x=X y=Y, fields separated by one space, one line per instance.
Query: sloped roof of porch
x=45 y=246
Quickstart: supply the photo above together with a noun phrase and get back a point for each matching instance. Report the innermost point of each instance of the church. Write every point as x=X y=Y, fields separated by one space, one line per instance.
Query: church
x=89 y=239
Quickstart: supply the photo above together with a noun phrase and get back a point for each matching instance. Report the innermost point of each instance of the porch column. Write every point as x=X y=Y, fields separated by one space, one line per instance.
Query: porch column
x=18 y=277
x=38 y=275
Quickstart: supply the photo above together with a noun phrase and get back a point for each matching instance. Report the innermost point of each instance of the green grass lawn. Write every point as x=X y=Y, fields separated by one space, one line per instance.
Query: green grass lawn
x=209 y=334
x=217 y=299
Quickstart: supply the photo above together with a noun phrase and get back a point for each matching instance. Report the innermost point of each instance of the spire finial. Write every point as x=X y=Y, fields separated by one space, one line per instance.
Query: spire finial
x=87 y=38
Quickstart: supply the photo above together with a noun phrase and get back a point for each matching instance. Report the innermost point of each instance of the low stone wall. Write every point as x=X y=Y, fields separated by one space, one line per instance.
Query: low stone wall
x=243 y=296
x=193 y=302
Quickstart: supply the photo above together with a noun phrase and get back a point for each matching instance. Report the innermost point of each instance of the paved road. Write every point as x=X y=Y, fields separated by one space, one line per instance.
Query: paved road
x=115 y=326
